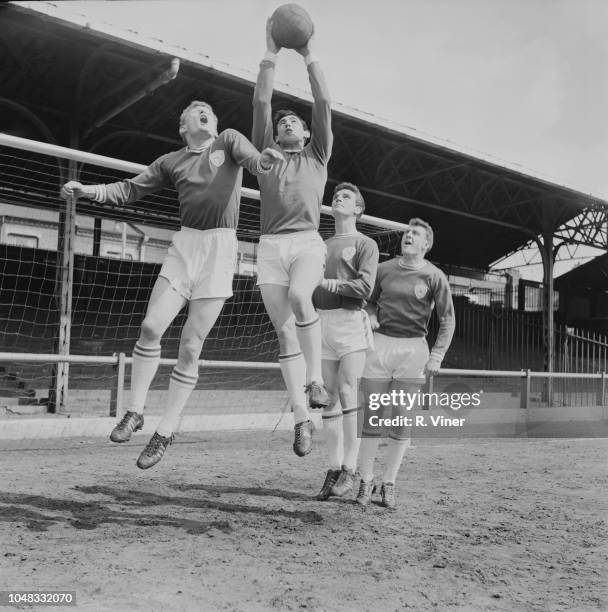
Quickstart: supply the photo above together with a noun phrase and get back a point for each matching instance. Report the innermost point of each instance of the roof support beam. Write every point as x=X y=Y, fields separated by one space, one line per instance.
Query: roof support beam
x=165 y=77
x=385 y=194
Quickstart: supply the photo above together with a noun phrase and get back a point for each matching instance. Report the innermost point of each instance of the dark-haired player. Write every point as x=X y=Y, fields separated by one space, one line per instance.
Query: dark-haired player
x=350 y=273
x=291 y=254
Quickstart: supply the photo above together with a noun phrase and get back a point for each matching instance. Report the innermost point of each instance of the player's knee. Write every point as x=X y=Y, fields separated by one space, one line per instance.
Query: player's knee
x=333 y=398
x=301 y=303
x=348 y=393
x=190 y=349
x=150 y=330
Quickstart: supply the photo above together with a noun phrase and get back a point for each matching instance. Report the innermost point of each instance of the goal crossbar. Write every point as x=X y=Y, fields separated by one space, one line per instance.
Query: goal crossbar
x=44 y=148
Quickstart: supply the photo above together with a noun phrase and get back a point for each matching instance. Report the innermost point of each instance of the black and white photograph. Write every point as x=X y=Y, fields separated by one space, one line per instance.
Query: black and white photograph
x=304 y=306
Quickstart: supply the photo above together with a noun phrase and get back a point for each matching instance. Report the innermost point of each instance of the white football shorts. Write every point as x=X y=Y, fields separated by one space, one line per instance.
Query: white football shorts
x=277 y=253
x=397 y=358
x=201 y=263
x=344 y=331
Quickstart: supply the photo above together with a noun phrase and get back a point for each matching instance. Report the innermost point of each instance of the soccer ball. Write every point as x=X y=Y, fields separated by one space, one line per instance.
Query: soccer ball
x=292 y=26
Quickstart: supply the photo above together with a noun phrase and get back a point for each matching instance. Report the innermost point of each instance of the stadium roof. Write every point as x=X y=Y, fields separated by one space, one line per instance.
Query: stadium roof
x=66 y=82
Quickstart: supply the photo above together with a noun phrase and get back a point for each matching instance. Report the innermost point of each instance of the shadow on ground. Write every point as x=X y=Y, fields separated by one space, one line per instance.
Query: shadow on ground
x=38 y=512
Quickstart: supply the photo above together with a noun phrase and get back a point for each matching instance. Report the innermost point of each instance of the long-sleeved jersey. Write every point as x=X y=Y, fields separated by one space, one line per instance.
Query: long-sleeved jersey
x=292 y=192
x=352 y=262
x=208 y=184
x=405 y=299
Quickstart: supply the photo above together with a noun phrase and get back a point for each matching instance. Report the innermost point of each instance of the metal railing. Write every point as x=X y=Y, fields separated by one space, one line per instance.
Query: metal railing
x=549 y=392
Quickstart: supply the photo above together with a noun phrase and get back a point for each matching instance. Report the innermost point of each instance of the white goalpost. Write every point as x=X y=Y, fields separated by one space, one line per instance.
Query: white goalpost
x=74 y=285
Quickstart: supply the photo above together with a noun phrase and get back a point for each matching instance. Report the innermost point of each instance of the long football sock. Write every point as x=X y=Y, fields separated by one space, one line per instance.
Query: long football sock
x=180 y=388
x=332 y=426
x=351 y=440
x=293 y=368
x=309 y=337
x=367 y=456
x=394 y=457
x=145 y=364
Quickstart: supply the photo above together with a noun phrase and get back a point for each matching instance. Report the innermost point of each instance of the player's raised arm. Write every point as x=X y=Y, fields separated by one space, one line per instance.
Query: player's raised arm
x=247 y=156
x=322 y=139
x=262 y=133
x=151 y=180
x=291 y=255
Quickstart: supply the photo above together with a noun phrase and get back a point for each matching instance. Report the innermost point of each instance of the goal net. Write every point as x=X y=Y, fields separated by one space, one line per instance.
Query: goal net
x=117 y=254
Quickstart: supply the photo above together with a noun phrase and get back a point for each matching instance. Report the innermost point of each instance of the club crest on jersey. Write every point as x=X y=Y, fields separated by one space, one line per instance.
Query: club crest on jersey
x=420 y=291
x=217 y=158
x=348 y=253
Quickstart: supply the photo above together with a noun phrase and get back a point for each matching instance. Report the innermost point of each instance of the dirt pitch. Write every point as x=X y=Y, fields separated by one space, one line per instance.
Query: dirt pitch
x=226 y=522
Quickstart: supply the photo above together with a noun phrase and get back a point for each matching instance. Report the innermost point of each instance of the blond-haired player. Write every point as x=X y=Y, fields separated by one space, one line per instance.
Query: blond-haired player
x=407 y=289
x=199 y=266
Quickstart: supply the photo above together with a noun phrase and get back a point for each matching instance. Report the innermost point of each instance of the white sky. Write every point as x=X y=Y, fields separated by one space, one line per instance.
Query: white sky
x=524 y=81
